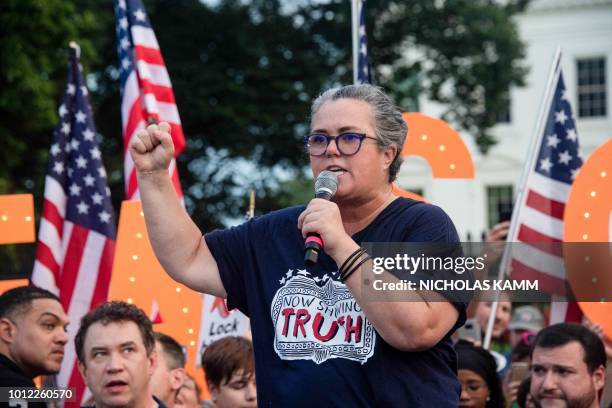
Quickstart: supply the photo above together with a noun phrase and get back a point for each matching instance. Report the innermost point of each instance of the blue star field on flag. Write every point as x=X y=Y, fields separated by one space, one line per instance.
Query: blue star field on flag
x=559 y=156
x=128 y=13
x=363 y=71
x=76 y=159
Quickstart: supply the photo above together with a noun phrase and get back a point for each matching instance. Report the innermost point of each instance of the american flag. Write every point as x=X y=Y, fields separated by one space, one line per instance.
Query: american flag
x=76 y=237
x=146 y=91
x=363 y=71
x=539 y=228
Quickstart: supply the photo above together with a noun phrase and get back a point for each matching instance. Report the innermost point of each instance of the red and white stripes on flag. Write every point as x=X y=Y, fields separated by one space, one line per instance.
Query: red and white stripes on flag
x=76 y=238
x=146 y=90
x=538 y=224
x=540 y=232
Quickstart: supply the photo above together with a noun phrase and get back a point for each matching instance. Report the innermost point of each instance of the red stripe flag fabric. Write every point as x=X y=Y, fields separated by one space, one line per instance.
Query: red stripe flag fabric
x=539 y=222
x=146 y=91
x=76 y=237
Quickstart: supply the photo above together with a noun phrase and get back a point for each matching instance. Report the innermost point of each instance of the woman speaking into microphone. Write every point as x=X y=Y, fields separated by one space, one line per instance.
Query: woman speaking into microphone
x=318 y=339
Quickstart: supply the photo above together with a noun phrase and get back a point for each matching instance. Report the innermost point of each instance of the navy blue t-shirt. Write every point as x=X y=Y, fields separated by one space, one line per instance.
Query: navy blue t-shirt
x=313 y=344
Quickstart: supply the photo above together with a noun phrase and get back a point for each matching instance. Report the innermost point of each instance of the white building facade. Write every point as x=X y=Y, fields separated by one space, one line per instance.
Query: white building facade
x=583 y=30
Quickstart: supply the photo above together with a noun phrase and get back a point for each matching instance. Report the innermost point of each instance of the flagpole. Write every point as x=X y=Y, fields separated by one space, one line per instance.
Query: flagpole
x=76 y=48
x=536 y=140
x=355 y=37
x=252 y=204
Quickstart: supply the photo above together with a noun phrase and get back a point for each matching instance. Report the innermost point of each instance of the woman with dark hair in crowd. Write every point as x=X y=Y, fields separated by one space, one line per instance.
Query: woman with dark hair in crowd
x=523 y=398
x=521 y=356
x=480 y=385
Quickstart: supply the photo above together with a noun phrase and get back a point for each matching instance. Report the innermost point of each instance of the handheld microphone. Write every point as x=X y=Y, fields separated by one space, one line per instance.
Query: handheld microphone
x=326 y=186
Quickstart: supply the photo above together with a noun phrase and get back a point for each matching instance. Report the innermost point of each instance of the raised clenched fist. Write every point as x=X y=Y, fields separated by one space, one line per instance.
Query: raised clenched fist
x=152 y=149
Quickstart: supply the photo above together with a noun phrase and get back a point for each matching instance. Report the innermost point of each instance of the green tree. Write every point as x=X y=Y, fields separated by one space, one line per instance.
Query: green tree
x=34 y=37
x=465 y=54
x=244 y=74
x=243 y=77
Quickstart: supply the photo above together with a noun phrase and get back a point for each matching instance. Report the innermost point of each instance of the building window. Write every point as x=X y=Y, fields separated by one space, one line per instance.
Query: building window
x=499 y=205
x=503 y=115
x=591 y=87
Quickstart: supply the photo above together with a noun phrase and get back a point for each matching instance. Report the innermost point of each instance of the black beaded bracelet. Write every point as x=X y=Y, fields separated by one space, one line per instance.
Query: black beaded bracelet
x=350 y=261
x=344 y=277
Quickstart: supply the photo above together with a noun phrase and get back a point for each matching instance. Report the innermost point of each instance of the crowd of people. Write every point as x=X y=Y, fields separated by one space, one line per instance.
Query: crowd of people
x=559 y=365
x=318 y=340
x=123 y=361
x=127 y=364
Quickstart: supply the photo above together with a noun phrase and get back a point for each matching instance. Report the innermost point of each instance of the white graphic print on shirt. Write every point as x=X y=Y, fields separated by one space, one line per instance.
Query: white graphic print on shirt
x=318 y=319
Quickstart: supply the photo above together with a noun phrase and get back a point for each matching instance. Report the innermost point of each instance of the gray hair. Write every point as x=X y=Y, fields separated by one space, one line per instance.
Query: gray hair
x=389 y=125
